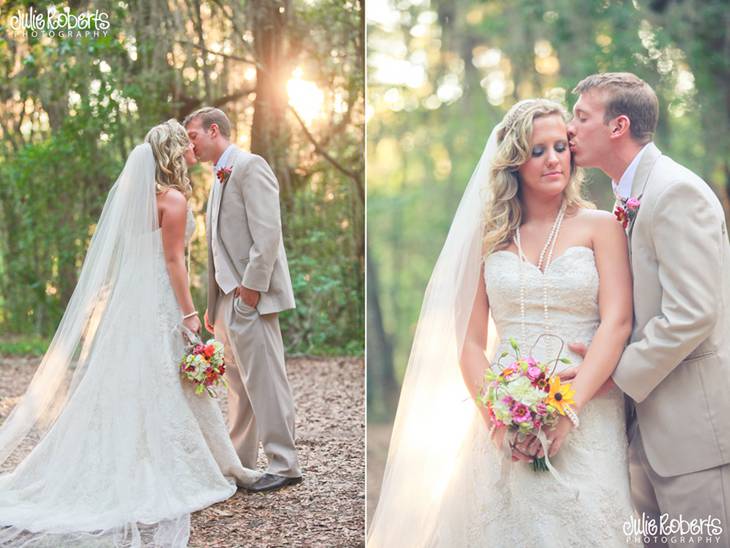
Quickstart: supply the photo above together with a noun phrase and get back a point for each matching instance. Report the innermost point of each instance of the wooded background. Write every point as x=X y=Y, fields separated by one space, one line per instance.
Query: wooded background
x=442 y=73
x=290 y=75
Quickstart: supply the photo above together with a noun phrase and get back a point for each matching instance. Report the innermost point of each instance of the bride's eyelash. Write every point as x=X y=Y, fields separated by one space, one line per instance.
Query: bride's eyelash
x=560 y=146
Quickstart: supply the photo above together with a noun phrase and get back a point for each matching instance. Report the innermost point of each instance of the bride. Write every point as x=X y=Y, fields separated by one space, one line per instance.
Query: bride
x=525 y=255
x=122 y=450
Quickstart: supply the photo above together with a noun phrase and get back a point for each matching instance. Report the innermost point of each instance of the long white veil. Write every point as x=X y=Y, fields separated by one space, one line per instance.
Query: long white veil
x=436 y=413
x=110 y=314
x=119 y=241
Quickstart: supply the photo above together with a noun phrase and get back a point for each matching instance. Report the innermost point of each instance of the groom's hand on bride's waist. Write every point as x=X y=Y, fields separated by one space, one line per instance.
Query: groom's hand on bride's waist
x=249 y=296
x=578 y=348
x=571 y=372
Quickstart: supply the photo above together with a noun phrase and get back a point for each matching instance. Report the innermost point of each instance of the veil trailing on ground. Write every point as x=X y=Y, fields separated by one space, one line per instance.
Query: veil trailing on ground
x=436 y=414
x=109 y=321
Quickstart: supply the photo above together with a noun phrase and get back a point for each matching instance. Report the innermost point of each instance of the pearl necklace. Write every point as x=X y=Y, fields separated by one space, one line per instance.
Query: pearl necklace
x=547 y=249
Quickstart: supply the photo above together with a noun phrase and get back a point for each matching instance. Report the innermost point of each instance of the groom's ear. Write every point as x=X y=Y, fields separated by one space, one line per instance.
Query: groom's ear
x=621 y=125
x=215 y=130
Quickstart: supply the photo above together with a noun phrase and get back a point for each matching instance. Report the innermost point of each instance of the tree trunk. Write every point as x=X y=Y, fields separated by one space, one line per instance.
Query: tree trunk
x=269 y=133
x=382 y=386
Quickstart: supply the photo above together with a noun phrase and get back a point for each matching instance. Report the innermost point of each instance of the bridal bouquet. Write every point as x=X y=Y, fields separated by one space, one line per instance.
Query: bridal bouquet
x=203 y=365
x=526 y=396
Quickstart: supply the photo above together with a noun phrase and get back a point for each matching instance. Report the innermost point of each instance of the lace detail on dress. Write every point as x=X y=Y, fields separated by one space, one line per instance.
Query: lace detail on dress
x=532 y=509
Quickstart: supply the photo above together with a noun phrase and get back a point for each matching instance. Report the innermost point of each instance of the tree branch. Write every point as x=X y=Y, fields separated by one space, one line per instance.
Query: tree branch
x=351 y=174
x=219 y=53
x=191 y=103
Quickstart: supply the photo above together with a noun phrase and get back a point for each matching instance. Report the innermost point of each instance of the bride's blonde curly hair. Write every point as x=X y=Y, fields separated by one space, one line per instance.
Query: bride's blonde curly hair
x=503 y=210
x=169 y=142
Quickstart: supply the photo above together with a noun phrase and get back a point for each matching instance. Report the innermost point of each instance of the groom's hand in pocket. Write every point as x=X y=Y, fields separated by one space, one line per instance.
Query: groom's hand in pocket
x=249 y=296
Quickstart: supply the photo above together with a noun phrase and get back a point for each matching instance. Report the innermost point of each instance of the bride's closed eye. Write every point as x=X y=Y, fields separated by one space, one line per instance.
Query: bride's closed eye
x=539 y=150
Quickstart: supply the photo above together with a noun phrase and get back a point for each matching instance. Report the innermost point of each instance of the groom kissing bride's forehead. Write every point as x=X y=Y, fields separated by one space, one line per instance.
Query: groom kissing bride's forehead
x=248 y=285
x=676 y=369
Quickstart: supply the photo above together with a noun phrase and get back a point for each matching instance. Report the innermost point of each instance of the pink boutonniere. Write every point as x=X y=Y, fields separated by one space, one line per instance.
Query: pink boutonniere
x=626 y=212
x=223 y=174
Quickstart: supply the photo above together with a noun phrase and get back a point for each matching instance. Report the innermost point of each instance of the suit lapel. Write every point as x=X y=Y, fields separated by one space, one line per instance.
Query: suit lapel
x=209 y=213
x=229 y=163
x=641 y=179
x=230 y=160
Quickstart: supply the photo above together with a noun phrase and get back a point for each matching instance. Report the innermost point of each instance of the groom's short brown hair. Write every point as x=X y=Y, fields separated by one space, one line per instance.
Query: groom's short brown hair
x=209 y=116
x=628 y=95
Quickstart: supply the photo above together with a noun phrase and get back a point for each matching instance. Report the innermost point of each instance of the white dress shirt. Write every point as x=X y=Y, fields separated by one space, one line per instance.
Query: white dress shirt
x=226 y=279
x=622 y=189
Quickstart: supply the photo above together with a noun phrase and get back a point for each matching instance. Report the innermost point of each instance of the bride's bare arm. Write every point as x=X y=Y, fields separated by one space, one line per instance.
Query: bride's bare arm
x=172 y=208
x=472 y=361
x=615 y=306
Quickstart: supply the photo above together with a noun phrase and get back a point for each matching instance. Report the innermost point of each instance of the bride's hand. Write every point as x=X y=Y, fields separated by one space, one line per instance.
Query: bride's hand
x=193 y=324
x=497 y=434
x=556 y=436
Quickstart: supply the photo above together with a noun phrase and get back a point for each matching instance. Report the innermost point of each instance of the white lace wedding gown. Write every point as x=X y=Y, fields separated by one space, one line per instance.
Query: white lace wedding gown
x=532 y=509
x=134 y=451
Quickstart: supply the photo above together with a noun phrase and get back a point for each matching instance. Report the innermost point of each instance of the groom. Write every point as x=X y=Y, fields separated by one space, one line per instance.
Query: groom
x=676 y=368
x=248 y=285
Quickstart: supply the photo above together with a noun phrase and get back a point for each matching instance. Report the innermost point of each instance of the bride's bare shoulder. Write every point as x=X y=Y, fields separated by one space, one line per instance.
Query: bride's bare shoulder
x=171 y=198
x=592 y=225
x=594 y=218
x=171 y=205
x=602 y=227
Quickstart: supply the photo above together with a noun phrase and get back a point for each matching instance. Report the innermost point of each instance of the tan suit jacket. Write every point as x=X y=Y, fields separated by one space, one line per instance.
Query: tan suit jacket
x=249 y=233
x=676 y=368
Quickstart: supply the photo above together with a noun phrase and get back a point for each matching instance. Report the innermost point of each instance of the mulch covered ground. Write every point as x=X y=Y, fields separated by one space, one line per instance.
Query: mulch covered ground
x=328 y=508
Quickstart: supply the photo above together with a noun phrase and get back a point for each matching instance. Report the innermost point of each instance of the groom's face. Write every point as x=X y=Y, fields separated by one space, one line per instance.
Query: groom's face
x=190 y=158
x=590 y=140
x=202 y=140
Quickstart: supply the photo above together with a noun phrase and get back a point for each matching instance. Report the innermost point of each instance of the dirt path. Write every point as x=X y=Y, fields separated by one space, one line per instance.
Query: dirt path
x=328 y=508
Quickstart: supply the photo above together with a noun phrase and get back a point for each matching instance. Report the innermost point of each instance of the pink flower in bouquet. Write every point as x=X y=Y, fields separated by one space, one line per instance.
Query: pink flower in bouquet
x=541 y=409
x=508 y=401
x=521 y=413
x=541 y=383
x=198 y=349
x=533 y=373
